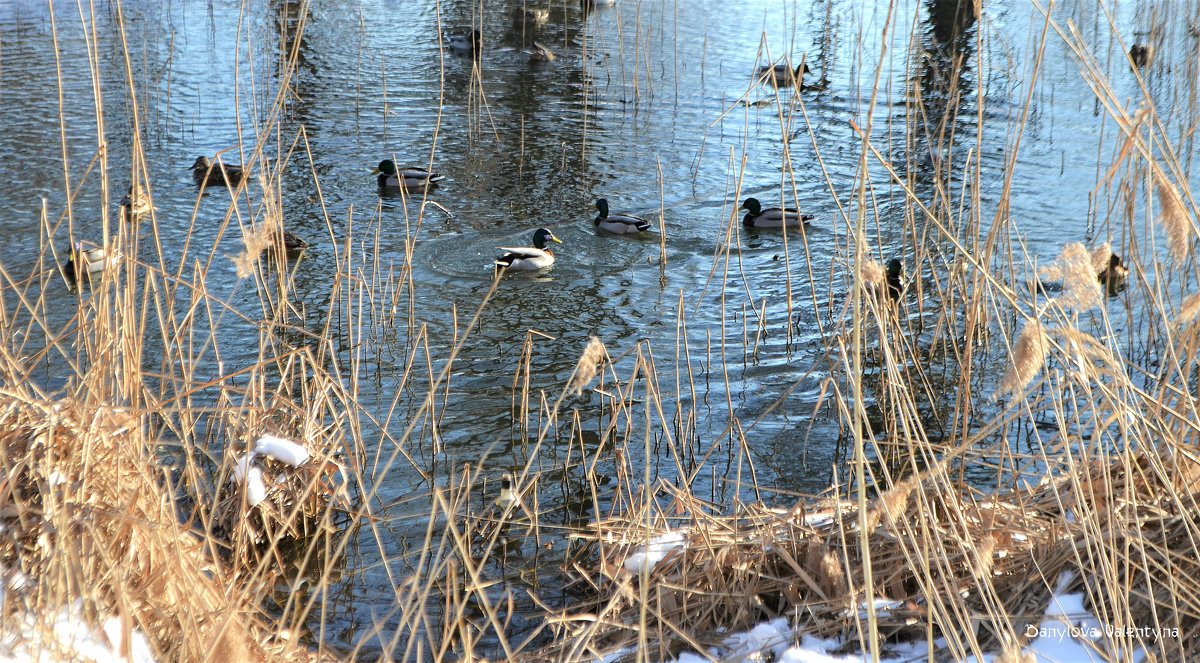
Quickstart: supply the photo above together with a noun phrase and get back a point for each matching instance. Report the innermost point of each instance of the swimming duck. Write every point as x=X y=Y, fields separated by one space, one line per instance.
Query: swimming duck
x=527 y=259
x=772 y=217
x=1113 y=276
x=620 y=224
x=780 y=75
x=529 y=20
x=466 y=42
x=205 y=172
x=133 y=205
x=407 y=178
x=1140 y=54
x=538 y=52
x=895 y=273
x=83 y=263
x=292 y=245
x=508 y=496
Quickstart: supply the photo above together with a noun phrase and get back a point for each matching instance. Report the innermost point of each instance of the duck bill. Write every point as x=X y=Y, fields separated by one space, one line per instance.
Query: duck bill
x=555 y=240
x=375 y=172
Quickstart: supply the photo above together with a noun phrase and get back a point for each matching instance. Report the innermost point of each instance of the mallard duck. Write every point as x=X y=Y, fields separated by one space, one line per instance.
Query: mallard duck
x=525 y=19
x=780 y=75
x=508 y=496
x=1140 y=54
x=206 y=172
x=83 y=263
x=620 y=224
x=895 y=274
x=772 y=217
x=292 y=245
x=539 y=53
x=1113 y=276
x=527 y=259
x=466 y=42
x=407 y=178
x=134 y=205
x=819 y=86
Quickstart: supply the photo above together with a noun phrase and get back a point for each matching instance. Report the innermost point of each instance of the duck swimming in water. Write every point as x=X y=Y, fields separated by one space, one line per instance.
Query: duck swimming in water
x=528 y=259
x=781 y=75
x=466 y=42
x=619 y=224
x=772 y=217
x=84 y=263
x=206 y=172
x=1113 y=276
x=407 y=178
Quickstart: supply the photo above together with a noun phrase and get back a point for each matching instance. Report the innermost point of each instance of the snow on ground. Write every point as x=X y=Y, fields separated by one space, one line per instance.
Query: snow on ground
x=66 y=637
x=654 y=552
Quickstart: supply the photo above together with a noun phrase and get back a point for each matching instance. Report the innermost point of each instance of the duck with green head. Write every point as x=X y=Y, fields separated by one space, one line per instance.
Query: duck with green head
x=619 y=224
x=528 y=259
x=205 y=171
x=408 y=178
x=772 y=217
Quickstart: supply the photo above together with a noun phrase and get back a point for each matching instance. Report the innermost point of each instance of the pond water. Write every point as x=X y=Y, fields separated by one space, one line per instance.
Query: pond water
x=650 y=104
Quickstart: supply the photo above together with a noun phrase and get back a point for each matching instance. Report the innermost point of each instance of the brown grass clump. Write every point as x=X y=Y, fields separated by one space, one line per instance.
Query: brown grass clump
x=296 y=504
x=86 y=515
x=1028 y=357
x=1003 y=554
x=1173 y=217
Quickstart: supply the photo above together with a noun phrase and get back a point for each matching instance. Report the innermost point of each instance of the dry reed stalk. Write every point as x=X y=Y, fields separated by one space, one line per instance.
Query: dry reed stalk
x=1173 y=217
x=1028 y=357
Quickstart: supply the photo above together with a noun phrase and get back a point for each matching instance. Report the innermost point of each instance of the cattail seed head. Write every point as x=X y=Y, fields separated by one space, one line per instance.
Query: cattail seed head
x=1173 y=217
x=1028 y=357
x=588 y=366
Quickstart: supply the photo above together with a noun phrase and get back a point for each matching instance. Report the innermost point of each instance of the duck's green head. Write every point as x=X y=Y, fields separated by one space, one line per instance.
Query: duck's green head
x=541 y=236
x=752 y=205
x=1114 y=261
x=895 y=269
x=387 y=167
x=602 y=206
x=802 y=69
